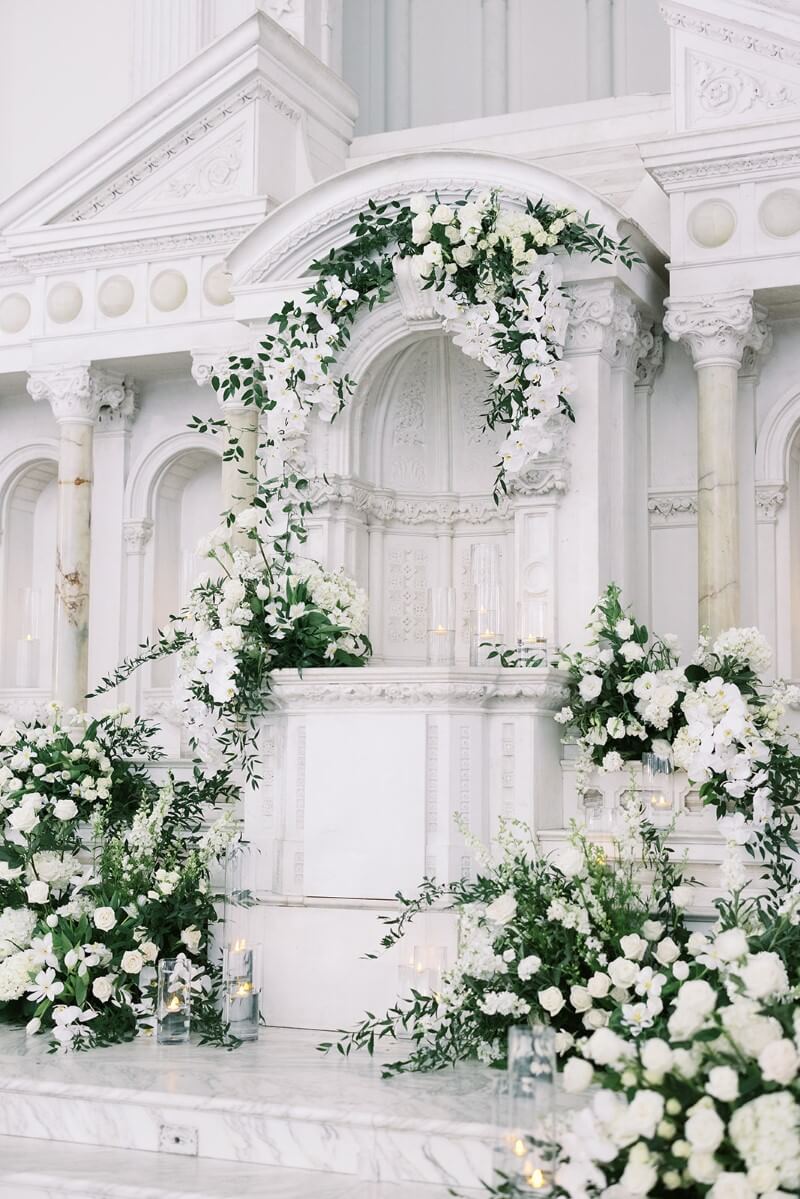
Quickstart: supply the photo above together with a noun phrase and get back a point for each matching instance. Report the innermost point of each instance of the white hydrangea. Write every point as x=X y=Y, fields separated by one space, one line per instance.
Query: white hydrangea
x=16 y=930
x=747 y=647
x=766 y=1131
x=16 y=974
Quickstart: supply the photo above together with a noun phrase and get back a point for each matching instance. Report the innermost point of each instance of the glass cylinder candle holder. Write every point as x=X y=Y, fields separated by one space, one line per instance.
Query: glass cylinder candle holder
x=174 y=1010
x=441 y=626
x=242 y=1010
x=658 y=786
x=532 y=632
x=530 y=1152
x=485 y=634
x=240 y=965
x=422 y=970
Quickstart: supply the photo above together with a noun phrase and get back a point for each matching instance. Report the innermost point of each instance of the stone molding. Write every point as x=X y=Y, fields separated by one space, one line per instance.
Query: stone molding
x=729 y=33
x=172 y=148
x=716 y=329
x=170 y=245
x=78 y=393
x=764 y=162
x=672 y=508
x=418 y=688
x=769 y=498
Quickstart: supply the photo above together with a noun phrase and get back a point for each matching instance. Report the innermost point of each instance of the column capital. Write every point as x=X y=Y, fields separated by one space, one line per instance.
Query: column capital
x=78 y=393
x=137 y=533
x=604 y=319
x=649 y=357
x=717 y=329
x=206 y=363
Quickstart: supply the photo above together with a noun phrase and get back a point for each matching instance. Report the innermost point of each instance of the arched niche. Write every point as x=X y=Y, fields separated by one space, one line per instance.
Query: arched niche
x=186 y=505
x=30 y=514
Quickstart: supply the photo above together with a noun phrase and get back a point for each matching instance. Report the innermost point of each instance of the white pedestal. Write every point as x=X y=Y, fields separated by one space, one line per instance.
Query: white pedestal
x=363 y=774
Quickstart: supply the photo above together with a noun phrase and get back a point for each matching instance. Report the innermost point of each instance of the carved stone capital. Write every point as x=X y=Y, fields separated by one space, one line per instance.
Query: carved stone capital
x=649 y=356
x=79 y=393
x=603 y=320
x=717 y=329
x=206 y=363
x=137 y=533
x=769 y=498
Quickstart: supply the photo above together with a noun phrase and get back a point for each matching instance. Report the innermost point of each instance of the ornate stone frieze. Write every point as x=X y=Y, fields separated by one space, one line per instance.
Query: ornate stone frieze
x=729 y=33
x=137 y=534
x=676 y=507
x=764 y=162
x=769 y=498
x=171 y=245
x=173 y=147
x=78 y=393
x=547 y=692
x=716 y=329
x=387 y=506
x=721 y=90
x=24 y=710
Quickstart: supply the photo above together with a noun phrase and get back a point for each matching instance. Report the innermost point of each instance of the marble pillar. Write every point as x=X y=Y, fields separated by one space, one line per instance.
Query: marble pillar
x=717 y=330
x=76 y=394
x=237 y=482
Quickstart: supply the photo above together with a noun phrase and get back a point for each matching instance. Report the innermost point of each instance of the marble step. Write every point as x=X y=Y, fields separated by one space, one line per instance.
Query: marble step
x=56 y=1170
x=275 y=1103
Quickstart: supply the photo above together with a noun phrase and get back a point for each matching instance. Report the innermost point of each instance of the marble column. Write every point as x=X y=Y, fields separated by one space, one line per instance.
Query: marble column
x=241 y=433
x=76 y=394
x=717 y=330
x=494 y=33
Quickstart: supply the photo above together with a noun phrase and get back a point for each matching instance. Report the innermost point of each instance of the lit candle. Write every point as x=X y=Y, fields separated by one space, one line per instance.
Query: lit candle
x=27 y=661
x=175 y=1004
x=537 y=1180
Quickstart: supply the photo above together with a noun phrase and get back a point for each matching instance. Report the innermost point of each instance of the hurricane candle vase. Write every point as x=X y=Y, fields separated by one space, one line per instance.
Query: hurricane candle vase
x=658 y=787
x=242 y=1010
x=532 y=633
x=485 y=614
x=530 y=1154
x=422 y=970
x=441 y=626
x=174 y=1010
x=28 y=645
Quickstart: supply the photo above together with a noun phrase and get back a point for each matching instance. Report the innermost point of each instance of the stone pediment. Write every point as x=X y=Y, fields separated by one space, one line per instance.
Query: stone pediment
x=735 y=62
x=250 y=121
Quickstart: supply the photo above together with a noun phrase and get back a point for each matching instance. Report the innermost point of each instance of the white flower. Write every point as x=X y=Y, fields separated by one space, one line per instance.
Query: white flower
x=463 y=255
x=421 y=227
x=419 y=202
x=633 y=946
x=666 y=952
x=723 y=1083
x=656 y=1057
x=704 y=1129
x=612 y=761
x=578 y=1075
x=631 y=651
x=65 y=809
x=528 y=967
x=730 y=945
x=638 y=1178
x=45 y=986
x=104 y=919
x=191 y=938
x=25 y=817
x=442 y=214
x=569 y=860
x=764 y=976
x=598 y=985
x=624 y=629
x=37 y=891
x=16 y=929
x=732 y=1186
x=622 y=972
x=779 y=1062
x=580 y=998
x=503 y=909
x=249 y=518
x=681 y=896
x=132 y=961
x=103 y=987
x=148 y=950
x=590 y=687
x=551 y=1000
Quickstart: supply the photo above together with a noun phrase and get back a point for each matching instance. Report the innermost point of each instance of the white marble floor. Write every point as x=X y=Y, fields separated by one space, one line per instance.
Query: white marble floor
x=277 y=1103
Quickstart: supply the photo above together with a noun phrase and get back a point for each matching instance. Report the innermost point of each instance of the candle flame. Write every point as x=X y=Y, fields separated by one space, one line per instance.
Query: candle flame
x=239 y=945
x=537 y=1179
x=175 y=1003
x=520 y=1148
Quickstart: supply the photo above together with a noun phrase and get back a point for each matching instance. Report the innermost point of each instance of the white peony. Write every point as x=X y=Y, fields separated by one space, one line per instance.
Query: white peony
x=764 y=976
x=779 y=1062
x=704 y=1129
x=577 y=1076
x=607 y=1048
x=731 y=945
x=656 y=1056
x=638 y=1178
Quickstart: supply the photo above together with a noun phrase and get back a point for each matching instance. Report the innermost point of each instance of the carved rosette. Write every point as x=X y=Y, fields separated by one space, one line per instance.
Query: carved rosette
x=717 y=329
x=769 y=498
x=80 y=393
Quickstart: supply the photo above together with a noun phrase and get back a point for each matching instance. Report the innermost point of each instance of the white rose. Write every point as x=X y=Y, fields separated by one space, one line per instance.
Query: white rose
x=103 y=987
x=779 y=1062
x=421 y=228
x=590 y=687
x=551 y=1000
x=622 y=972
x=132 y=962
x=577 y=1076
x=634 y=947
x=24 y=818
x=723 y=1083
x=528 y=967
x=191 y=938
x=631 y=651
x=419 y=202
x=730 y=945
x=598 y=985
x=732 y=1186
x=656 y=1056
x=37 y=891
x=104 y=919
x=149 y=951
x=442 y=214
x=704 y=1129
x=580 y=998
x=624 y=629
x=681 y=896
x=502 y=909
x=764 y=976
x=667 y=951
x=249 y=518
x=463 y=255
x=65 y=809
x=651 y=930
x=681 y=971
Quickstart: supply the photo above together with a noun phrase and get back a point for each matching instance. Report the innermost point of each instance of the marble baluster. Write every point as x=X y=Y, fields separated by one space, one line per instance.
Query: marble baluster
x=76 y=395
x=717 y=330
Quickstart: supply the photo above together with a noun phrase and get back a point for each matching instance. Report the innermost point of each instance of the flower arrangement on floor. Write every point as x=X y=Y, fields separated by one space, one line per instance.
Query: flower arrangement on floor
x=101 y=873
x=540 y=940
x=494 y=277
x=263 y=608
x=706 y=1101
x=715 y=718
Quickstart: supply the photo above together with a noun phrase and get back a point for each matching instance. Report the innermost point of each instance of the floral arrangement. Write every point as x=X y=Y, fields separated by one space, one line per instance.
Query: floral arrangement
x=706 y=1102
x=495 y=279
x=715 y=718
x=264 y=608
x=101 y=874
x=540 y=941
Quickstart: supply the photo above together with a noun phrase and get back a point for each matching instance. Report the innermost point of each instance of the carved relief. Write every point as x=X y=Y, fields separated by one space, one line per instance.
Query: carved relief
x=721 y=89
x=769 y=498
x=406 y=596
x=211 y=176
x=405 y=451
x=678 y=507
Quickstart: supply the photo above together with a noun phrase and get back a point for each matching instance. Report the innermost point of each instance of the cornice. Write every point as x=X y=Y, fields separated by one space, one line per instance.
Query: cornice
x=385 y=507
x=422 y=688
x=671 y=176
x=730 y=33
x=169 y=245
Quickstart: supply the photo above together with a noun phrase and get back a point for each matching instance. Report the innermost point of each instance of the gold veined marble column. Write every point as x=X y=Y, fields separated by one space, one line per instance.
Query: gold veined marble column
x=717 y=330
x=76 y=394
